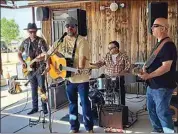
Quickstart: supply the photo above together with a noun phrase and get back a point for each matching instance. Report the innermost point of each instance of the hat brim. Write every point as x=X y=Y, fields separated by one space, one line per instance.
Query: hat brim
x=32 y=28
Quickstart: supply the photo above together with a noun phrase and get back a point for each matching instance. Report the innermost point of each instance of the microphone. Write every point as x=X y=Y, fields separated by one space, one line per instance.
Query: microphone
x=61 y=39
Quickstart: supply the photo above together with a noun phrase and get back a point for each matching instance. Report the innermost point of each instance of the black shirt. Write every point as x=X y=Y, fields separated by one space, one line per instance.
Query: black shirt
x=168 y=52
x=33 y=49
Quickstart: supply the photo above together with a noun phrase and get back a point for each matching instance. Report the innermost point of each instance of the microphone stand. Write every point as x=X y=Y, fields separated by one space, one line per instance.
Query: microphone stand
x=47 y=88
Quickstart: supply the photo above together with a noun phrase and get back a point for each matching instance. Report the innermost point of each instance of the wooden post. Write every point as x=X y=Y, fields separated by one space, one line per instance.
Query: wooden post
x=1 y=72
x=33 y=14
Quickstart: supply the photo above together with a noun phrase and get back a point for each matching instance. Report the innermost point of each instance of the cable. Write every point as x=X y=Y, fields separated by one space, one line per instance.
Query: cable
x=20 y=129
x=9 y=106
x=23 y=107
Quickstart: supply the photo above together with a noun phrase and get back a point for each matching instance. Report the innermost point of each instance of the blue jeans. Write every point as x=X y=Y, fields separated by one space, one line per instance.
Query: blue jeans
x=37 y=81
x=158 y=104
x=83 y=90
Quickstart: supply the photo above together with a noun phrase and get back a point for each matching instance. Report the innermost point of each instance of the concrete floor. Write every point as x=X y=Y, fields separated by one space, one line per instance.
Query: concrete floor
x=15 y=121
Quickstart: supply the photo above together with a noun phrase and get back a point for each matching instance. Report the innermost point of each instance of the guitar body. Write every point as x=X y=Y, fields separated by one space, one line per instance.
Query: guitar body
x=55 y=71
x=28 y=69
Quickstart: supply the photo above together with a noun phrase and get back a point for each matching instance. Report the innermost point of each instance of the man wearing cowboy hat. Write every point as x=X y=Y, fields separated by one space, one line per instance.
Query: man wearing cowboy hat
x=33 y=46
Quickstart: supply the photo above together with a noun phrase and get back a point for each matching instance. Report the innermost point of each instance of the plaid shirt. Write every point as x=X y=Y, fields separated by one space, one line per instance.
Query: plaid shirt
x=122 y=64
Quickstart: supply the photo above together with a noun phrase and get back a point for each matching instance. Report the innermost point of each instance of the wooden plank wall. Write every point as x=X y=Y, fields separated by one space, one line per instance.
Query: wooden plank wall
x=127 y=25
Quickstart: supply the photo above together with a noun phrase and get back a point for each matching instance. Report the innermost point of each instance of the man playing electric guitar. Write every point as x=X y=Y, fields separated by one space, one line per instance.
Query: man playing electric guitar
x=33 y=46
x=159 y=74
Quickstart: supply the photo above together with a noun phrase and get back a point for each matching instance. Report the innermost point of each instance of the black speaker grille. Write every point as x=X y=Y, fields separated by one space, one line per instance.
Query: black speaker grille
x=157 y=10
x=80 y=16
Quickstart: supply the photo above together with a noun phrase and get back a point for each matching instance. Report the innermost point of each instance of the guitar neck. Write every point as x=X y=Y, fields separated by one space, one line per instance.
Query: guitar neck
x=69 y=69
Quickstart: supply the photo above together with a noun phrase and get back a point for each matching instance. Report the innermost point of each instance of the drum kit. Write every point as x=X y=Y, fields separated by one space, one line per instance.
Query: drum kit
x=105 y=86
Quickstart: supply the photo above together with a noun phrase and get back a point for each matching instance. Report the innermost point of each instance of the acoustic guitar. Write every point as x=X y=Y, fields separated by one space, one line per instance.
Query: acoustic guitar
x=60 y=68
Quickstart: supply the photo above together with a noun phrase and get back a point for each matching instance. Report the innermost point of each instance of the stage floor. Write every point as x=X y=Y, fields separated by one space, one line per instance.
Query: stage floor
x=14 y=118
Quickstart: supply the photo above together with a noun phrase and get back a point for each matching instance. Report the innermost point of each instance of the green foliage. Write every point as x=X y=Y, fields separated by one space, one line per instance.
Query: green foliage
x=9 y=30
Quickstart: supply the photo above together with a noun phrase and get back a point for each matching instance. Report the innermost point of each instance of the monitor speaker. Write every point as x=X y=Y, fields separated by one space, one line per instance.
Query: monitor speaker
x=113 y=116
x=42 y=13
x=156 y=10
x=58 y=98
x=80 y=16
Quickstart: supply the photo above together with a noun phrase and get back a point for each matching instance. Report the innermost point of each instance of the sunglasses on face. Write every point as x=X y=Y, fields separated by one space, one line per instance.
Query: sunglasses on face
x=157 y=25
x=32 y=32
x=70 y=25
x=110 y=48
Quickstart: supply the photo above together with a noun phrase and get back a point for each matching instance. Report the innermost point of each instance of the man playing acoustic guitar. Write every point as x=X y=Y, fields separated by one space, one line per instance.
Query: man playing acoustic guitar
x=33 y=46
x=78 y=82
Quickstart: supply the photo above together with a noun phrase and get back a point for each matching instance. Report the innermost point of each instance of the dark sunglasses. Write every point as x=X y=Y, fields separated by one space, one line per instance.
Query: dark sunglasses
x=32 y=32
x=157 y=25
x=70 y=25
x=110 y=48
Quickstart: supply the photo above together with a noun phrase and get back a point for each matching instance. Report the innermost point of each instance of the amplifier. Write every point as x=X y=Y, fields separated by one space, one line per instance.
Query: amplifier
x=58 y=97
x=113 y=116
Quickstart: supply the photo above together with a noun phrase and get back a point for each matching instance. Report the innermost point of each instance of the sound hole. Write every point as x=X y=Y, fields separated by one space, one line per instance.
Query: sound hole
x=60 y=67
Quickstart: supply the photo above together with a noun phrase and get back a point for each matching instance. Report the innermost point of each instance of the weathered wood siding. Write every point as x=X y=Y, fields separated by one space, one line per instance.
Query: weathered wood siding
x=127 y=25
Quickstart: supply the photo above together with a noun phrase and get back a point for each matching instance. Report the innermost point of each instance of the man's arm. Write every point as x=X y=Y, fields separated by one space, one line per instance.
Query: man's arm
x=98 y=64
x=168 y=52
x=20 y=51
x=166 y=66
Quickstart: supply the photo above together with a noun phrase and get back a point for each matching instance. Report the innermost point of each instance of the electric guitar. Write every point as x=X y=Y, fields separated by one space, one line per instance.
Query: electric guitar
x=137 y=70
x=60 y=67
x=29 y=63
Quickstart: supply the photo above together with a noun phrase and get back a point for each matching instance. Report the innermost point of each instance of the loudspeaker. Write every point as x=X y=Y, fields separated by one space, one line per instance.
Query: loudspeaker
x=58 y=97
x=42 y=13
x=156 y=10
x=80 y=16
x=114 y=116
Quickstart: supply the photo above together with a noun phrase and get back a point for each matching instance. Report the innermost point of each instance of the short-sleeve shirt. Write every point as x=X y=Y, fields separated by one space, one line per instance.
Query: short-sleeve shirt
x=122 y=63
x=82 y=49
x=168 y=52
x=33 y=49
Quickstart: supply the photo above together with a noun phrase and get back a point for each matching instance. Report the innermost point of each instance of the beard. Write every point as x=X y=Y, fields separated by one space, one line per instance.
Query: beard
x=70 y=33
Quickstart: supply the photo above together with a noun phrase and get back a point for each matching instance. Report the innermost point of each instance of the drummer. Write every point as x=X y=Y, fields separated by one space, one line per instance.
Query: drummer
x=116 y=65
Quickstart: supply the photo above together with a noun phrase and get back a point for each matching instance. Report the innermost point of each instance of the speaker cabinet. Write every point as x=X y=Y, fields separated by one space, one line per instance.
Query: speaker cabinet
x=80 y=16
x=58 y=97
x=42 y=13
x=114 y=116
x=156 y=10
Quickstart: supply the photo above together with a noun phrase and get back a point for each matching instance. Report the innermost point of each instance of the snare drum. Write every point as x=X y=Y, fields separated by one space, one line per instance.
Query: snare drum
x=103 y=83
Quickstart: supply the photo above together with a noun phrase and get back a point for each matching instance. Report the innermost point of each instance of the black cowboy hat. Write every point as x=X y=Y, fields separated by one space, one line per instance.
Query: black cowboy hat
x=31 y=26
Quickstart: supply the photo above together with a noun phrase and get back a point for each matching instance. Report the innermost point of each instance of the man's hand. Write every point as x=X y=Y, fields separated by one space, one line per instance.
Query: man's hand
x=98 y=64
x=144 y=76
x=24 y=65
x=46 y=70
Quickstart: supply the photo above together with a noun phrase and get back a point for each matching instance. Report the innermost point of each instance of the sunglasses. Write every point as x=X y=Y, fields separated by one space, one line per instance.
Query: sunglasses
x=32 y=32
x=70 y=25
x=157 y=25
x=110 y=48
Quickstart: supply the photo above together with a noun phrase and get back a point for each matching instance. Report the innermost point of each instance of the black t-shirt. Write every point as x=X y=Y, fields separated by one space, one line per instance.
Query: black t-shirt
x=168 y=52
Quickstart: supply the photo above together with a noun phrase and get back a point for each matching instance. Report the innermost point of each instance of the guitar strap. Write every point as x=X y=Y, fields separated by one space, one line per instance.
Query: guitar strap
x=75 y=46
x=156 y=51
